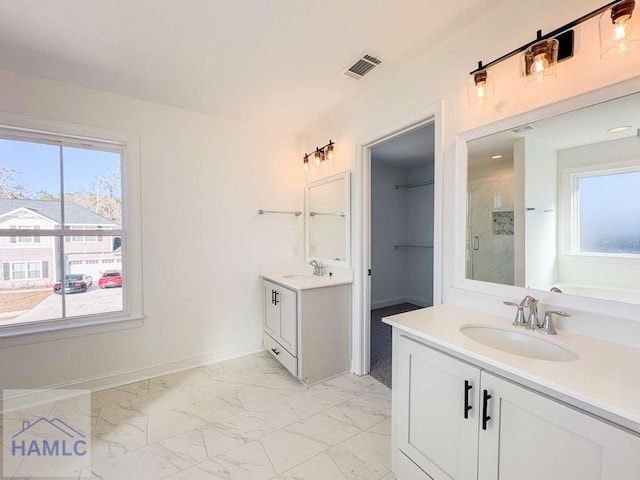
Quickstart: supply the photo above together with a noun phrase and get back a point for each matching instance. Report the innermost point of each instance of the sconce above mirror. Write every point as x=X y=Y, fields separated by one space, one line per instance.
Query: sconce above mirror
x=328 y=220
x=555 y=203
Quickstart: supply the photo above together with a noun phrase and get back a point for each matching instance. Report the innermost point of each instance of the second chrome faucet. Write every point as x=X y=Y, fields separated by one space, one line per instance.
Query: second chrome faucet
x=532 y=321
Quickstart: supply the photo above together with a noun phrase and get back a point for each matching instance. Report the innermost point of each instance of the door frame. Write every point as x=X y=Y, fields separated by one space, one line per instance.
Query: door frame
x=361 y=323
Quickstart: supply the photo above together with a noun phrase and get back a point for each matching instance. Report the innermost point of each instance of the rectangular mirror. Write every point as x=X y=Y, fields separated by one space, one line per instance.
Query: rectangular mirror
x=328 y=220
x=554 y=204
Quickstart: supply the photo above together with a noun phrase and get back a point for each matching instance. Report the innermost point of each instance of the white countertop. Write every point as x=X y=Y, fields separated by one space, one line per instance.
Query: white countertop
x=307 y=282
x=605 y=380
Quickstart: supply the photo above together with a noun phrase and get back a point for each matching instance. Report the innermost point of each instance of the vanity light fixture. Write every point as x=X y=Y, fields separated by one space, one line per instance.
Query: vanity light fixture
x=480 y=86
x=539 y=60
x=320 y=155
x=540 y=57
x=619 y=30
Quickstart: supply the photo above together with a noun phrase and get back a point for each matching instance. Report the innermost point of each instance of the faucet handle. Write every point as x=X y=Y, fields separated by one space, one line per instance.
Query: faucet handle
x=547 y=324
x=519 y=320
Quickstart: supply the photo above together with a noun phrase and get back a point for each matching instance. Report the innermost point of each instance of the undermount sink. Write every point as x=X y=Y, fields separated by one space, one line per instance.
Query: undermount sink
x=519 y=342
x=299 y=277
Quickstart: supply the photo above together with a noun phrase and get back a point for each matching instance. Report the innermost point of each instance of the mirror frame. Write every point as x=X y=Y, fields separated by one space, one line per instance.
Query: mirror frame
x=346 y=263
x=505 y=292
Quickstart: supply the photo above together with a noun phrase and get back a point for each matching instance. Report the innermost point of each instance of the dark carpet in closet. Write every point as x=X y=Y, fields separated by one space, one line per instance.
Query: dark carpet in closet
x=381 y=341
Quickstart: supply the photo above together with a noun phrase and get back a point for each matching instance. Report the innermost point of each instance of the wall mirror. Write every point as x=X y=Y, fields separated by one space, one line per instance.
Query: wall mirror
x=554 y=204
x=328 y=220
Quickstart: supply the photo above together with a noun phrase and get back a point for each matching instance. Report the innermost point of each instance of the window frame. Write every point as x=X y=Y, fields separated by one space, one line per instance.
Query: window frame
x=569 y=218
x=38 y=130
x=26 y=270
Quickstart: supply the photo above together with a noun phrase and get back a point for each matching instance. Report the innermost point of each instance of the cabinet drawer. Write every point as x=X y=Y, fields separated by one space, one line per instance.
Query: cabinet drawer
x=278 y=351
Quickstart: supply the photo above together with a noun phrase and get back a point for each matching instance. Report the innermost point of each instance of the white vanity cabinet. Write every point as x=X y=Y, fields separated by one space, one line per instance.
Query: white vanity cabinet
x=307 y=329
x=454 y=420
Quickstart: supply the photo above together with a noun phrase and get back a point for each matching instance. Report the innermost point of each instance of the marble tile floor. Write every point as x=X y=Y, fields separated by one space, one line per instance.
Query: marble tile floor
x=242 y=419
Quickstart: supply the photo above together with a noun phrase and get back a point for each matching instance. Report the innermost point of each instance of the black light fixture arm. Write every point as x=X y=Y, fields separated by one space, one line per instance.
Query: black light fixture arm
x=320 y=149
x=540 y=37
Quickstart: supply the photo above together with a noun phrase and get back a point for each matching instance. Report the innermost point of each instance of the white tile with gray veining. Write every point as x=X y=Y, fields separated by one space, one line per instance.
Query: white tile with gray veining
x=244 y=418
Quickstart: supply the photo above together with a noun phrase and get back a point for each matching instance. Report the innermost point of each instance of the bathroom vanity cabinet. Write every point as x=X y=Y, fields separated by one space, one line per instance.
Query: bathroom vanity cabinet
x=454 y=417
x=306 y=327
x=457 y=421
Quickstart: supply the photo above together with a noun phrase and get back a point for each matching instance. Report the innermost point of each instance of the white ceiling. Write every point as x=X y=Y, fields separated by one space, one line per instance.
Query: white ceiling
x=412 y=149
x=581 y=127
x=266 y=61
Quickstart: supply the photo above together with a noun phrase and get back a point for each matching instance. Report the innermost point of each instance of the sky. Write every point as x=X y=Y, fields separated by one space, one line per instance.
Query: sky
x=38 y=166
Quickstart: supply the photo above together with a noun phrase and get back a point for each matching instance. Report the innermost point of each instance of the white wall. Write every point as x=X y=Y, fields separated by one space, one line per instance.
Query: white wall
x=540 y=167
x=438 y=72
x=401 y=217
x=388 y=228
x=419 y=277
x=203 y=180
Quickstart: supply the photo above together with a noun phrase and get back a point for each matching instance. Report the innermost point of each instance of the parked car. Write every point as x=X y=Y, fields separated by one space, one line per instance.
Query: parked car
x=110 y=278
x=74 y=283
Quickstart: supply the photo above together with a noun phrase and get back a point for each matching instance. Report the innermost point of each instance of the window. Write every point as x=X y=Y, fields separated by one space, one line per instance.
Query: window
x=22 y=238
x=26 y=271
x=606 y=212
x=53 y=184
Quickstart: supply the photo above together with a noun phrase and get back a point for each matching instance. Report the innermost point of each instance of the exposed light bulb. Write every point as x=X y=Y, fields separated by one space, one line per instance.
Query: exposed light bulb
x=540 y=64
x=617 y=30
x=305 y=162
x=480 y=88
x=318 y=157
x=620 y=34
x=329 y=153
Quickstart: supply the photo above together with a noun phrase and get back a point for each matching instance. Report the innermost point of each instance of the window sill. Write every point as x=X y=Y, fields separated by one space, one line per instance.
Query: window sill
x=601 y=257
x=37 y=332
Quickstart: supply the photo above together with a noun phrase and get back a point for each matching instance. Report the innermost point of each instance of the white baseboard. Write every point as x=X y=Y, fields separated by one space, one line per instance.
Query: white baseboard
x=395 y=301
x=111 y=380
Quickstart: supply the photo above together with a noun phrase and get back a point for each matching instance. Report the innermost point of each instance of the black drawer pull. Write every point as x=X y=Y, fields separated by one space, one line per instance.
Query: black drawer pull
x=273 y=296
x=467 y=407
x=275 y=351
x=485 y=404
x=276 y=301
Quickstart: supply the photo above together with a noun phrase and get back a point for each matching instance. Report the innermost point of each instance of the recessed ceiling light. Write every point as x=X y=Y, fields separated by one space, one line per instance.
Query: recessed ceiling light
x=619 y=129
x=496 y=157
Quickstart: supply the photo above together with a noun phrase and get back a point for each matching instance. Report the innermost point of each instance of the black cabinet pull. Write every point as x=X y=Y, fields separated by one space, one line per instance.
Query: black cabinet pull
x=275 y=351
x=485 y=404
x=467 y=407
x=276 y=297
x=273 y=296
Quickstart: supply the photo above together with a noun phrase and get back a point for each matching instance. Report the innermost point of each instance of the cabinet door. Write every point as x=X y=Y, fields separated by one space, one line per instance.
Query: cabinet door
x=531 y=437
x=432 y=429
x=271 y=309
x=288 y=338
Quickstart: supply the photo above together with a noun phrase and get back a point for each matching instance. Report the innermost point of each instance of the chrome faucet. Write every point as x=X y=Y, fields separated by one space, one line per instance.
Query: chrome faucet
x=533 y=322
x=318 y=268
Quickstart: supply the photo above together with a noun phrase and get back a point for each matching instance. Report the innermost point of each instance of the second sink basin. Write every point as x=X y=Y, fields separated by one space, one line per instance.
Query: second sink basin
x=519 y=342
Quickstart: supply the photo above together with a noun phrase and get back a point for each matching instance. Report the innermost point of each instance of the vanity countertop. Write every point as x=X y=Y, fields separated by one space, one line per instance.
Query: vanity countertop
x=605 y=380
x=305 y=281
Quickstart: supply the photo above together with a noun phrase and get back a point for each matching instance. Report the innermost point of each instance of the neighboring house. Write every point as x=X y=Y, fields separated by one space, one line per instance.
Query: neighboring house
x=30 y=261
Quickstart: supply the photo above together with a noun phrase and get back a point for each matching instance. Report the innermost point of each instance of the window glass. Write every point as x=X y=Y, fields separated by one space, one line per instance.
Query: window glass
x=51 y=191
x=609 y=213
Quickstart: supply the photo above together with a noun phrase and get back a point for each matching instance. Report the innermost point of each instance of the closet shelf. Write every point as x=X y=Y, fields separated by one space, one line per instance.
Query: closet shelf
x=414 y=185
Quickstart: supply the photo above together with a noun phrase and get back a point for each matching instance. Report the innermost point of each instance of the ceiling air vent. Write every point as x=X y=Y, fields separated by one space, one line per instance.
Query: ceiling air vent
x=523 y=128
x=361 y=66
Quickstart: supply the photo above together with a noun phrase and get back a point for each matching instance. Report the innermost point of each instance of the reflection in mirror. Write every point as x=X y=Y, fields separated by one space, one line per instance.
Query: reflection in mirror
x=554 y=205
x=327 y=220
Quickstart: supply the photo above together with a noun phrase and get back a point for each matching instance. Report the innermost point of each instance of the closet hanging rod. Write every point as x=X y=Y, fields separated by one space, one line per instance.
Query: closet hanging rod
x=414 y=185
x=396 y=247
x=313 y=214
x=262 y=212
